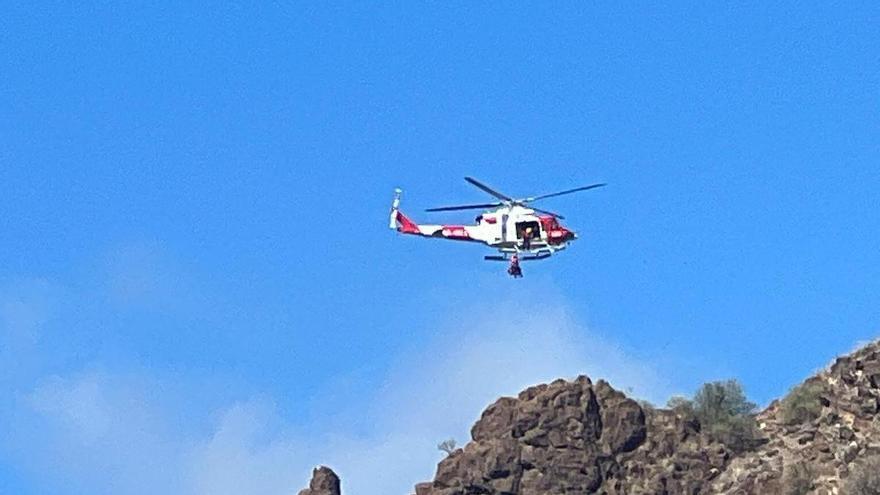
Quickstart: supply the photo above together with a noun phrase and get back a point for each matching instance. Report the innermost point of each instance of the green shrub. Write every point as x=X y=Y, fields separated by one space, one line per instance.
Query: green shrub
x=740 y=432
x=798 y=479
x=681 y=405
x=865 y=479
x=717 y=401
x=725 y=414
x=802 y=404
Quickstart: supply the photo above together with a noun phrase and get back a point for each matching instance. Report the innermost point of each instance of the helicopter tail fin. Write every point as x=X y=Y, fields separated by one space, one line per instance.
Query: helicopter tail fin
x=398 y=220
x=395 y=209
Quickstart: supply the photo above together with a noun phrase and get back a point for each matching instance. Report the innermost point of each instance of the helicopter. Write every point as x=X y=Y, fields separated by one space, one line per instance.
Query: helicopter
x=517 y=230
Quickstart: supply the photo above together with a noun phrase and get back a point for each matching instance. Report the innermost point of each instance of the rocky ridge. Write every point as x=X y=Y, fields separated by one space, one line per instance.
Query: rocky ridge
x=582 y=437
x=845 y=432
x=579 y=437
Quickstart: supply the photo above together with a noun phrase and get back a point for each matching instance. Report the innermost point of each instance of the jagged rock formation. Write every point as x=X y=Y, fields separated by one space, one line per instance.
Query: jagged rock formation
x=324 y=482
x=577 y=437
x=580 y=438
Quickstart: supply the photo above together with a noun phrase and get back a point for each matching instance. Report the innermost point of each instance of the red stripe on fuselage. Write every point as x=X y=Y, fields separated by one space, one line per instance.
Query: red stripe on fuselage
x=455 y=232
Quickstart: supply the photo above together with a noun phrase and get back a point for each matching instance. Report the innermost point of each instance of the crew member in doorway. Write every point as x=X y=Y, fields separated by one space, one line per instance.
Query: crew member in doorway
x=527 y=238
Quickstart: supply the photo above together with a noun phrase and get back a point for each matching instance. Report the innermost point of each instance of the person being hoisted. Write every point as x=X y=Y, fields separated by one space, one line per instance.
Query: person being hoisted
x=514 y=270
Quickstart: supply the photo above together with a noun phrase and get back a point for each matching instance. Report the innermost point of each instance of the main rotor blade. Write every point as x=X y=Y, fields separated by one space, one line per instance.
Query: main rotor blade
x=465 y=207
x=557 y=215
x=488 y=189
x=560 y=193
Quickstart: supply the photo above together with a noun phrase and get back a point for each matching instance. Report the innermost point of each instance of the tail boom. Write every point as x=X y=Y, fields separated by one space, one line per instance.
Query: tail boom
x=403 y=224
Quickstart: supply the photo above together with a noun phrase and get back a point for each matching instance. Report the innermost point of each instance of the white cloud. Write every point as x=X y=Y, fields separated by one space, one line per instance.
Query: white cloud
x=26 y=307
x=246 y=455
x=439 y=391
x=106 y=433
x=100 y=433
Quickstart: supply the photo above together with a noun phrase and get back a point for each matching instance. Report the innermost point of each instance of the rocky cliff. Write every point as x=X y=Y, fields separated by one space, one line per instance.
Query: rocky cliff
x=581 y=437
x=844 y=432
x=324 y=482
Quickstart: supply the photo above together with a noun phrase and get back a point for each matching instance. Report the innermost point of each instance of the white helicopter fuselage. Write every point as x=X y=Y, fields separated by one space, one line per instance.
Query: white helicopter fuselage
x=504 y=228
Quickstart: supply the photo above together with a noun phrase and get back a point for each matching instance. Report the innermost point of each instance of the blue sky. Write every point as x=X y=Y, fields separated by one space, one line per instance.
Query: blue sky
x=199 y=292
